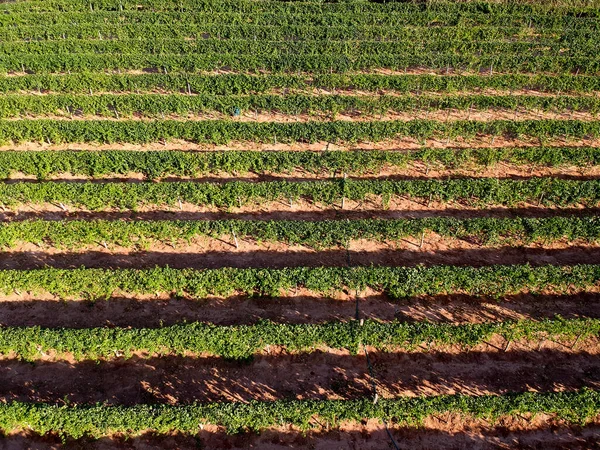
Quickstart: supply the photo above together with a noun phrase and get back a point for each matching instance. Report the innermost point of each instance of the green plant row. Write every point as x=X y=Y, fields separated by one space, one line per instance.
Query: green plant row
x=226 y=131
x=204 y=30
x=525 y=62
x=577 y=407
x=232 y=84
x=307 y=6
x=243 y=341
x=156 y=164
x=525 y=19
x=478 y=192
x=156 y=105
x=319 y=234
x=166 y=46
x=397 y=282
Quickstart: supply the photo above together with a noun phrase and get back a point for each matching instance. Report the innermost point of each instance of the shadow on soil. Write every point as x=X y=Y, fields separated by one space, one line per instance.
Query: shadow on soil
x=318 y=375
x=150 y=313
x=280 y=259
x=552 y=437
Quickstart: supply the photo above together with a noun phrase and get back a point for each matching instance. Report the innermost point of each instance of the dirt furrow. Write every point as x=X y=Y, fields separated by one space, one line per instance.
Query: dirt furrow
x=323 y=92
x=441 y=433
x=406 y=71
x=476 y=257
x=24 y=310
x=371 y=206
x=412 y=171
x=444 y=115
x=300 y=211
x=404 y=143
x=320 y=375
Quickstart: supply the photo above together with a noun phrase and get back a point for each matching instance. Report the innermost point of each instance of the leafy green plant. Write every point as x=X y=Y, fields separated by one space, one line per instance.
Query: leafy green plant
x=156 y=164
x=578 y=408
x=242 y=341
x=475 y=191
x=398 y=282
x=225 y=131
x=318 y=234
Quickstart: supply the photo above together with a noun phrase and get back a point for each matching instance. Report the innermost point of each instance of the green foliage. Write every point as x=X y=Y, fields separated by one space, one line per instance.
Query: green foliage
x=169 y=46
x=200 y=28
x=249 y=58
x=225 y=131
x=347 y=13
x=156 y=105
x=321 y=234
x=398 y=282
x=474 y=191
x=306 y=6
x=397 y=48
x=232 y=84
x=242 y=341
x=577 y=407
x=156 y=164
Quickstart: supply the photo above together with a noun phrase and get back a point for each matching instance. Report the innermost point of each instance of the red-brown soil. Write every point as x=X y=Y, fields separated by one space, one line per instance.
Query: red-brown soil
x=318 y=375
x=151 y=311
x=443 y=433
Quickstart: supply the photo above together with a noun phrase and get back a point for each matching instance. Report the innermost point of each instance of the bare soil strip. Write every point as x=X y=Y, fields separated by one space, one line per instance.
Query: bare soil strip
x=322 y=91
x=54 y=212
x=407 y=71
x=476 y=257
x=444 y=115
x=441 y=433
x=412 y=171
x=320 y=375
x=575 y=174
x=404 y=143
x=418 y=93
x=25 y=310
x=371 y=206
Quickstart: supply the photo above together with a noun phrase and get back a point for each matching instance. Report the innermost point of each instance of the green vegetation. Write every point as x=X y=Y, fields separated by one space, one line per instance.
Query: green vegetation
x=322 y=14
x=398 y=282
x=156 y=164
x=307 y=6
x=524 y=60
x=232 y=84
x=226 y=131
x=242 y=341
x=396 y=49
x=157 y=105
x=579 y=407
x=474 y=191
x=207 y=29
x=321 y=234
x=143 y=73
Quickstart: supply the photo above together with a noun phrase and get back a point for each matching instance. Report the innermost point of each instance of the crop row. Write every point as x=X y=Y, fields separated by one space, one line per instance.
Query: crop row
x=319 y=234
x=318 y=17
x=243 y=341
x=407 y=47
x=398 y=282
x=232 y=84
x=473 y=191
x=154 y=105
x=577 y=407
x=204 y=30
x=226 y=131
x=306 y=6
x=524 y=61
x=156 y=164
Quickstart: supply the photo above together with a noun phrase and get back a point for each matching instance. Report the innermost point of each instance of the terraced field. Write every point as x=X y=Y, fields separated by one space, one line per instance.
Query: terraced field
x=299 y=224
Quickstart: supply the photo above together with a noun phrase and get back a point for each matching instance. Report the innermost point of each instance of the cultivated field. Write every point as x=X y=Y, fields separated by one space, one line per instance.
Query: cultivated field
x=299 y=224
